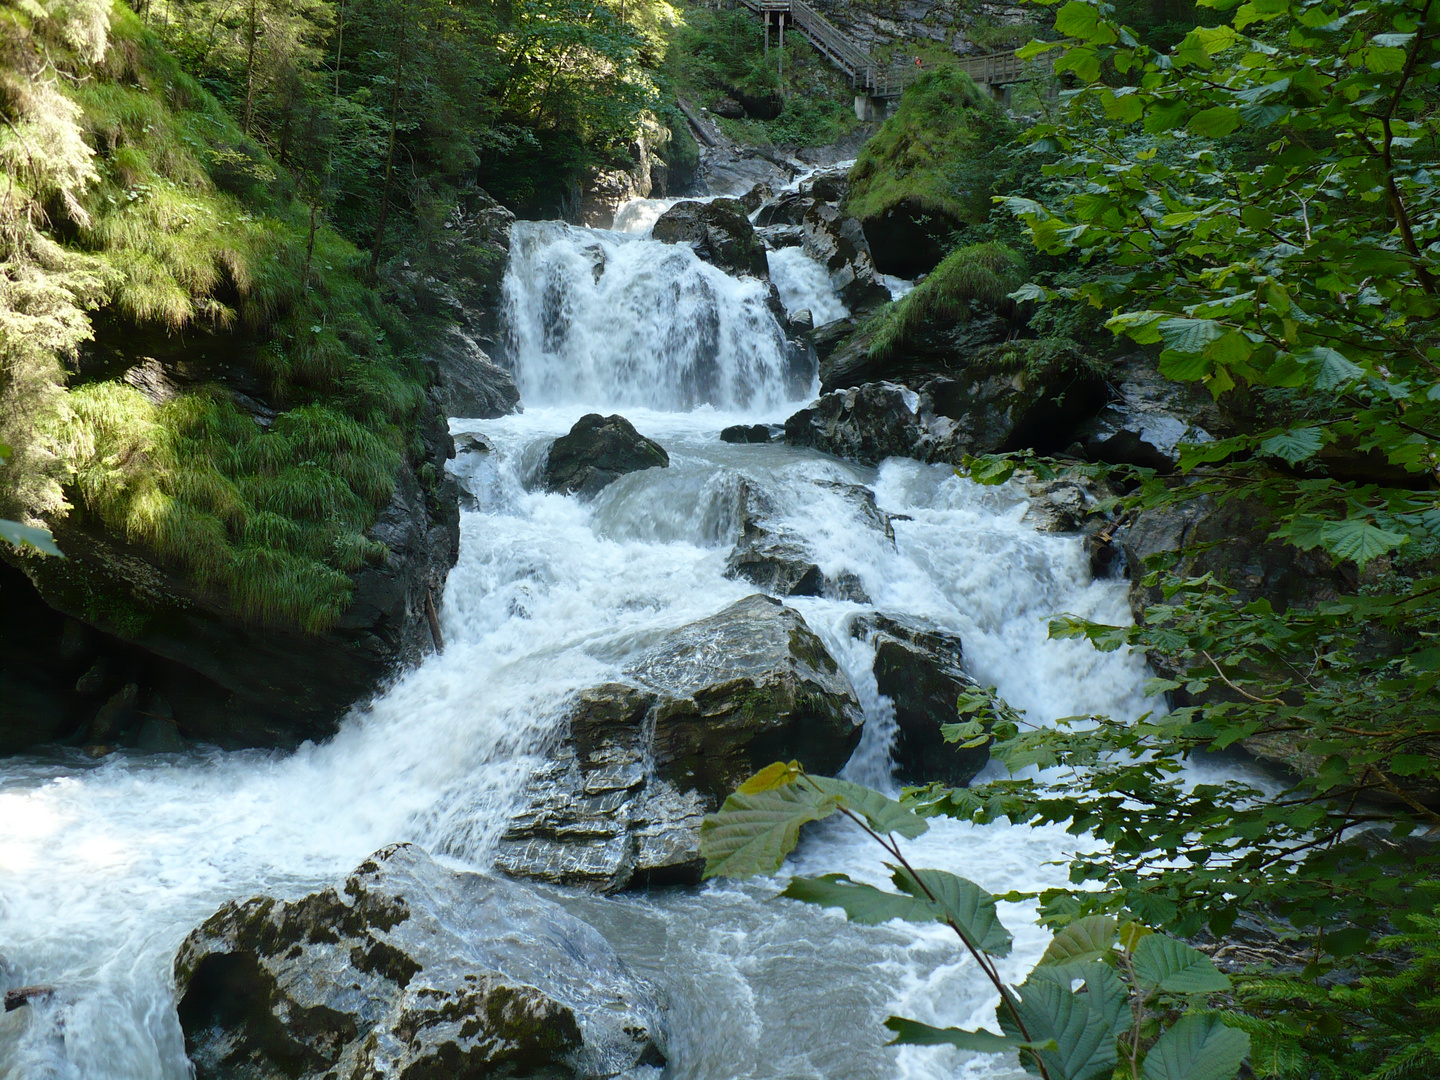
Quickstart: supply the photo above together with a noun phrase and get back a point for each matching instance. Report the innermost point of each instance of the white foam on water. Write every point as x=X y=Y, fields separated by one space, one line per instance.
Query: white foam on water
x=805 y=285
x=106 y=865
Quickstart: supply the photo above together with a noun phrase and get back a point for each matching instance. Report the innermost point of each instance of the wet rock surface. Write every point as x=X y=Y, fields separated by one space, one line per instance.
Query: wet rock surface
x=999 y=401
x=778 y=561
x=750 y=433
x=469 y=383
x=1148 y=417
x=621 y=799
x=918 y=667
x=838 y=243
x=598 y=451
x=719 y=231
x=410 y=969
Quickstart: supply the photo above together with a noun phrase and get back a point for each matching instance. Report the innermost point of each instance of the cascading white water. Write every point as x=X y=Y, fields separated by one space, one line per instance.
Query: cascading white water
x=106 y=865
x=607 y=320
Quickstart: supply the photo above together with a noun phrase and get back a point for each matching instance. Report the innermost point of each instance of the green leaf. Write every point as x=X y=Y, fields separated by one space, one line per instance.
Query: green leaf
x=961 y=902
x=1163 y=963
x=1214 y=123
x=1081 y=20
x=1330 y=368
x=1358 y=540
x=1084 y=940
x=1294 y=446
x=914 y=1033
x=772 y=776
x=752 y=834
x=989 y=469
x=1197 y=1048
x=861 y=903
x=884 y=815
x=31 y=536
x=1190 y=335
x=1083 y=1026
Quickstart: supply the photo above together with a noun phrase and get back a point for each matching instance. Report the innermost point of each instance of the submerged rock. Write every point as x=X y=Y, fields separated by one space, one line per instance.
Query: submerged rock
x=917 y=666
x=598 y=451
x=750 y=433
x=410 y=970
x=719 y=231
x=621 y=799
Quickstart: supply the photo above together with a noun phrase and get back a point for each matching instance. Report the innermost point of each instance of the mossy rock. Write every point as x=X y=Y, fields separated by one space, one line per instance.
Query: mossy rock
x=930 y=171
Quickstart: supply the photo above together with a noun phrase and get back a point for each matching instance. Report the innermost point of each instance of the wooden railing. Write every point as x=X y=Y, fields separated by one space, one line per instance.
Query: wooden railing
x=880 y=80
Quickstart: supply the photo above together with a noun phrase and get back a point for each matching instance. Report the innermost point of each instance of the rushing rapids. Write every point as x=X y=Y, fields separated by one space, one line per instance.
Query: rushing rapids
x=106 y=865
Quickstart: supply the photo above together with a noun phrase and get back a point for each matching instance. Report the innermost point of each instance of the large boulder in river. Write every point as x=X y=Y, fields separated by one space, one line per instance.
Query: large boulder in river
x=775 y=559
x=410 y=970
x=621 y=799
x=917 y=666
x=1020 y=395
x=598 y=451
x=719 y=231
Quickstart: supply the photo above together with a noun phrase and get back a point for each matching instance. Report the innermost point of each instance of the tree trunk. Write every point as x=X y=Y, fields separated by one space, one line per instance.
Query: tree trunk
x=254 y=32
x=390 y=151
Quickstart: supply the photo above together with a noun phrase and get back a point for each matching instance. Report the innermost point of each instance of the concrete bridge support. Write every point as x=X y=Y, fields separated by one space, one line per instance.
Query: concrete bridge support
x=871 y=109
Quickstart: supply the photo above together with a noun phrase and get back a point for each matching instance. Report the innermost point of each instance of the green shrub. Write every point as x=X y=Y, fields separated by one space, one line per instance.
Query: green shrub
x=969 y=280
x=944 y=152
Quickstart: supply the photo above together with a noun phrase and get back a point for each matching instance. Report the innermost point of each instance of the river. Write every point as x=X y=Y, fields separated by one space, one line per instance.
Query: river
x=106 y=865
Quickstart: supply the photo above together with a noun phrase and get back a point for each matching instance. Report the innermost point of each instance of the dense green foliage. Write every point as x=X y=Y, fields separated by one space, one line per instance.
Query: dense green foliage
x=250 y=176
x=720 y=54
x=947 y=151
x=1142 y=1010
x=1259 y=204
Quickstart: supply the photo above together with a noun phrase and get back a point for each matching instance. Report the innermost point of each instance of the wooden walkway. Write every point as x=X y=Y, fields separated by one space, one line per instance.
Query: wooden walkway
x=995 y=71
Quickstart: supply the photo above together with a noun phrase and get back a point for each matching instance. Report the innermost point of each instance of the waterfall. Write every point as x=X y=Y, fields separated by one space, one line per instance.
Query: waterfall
x=615 y=321
x=106 y=865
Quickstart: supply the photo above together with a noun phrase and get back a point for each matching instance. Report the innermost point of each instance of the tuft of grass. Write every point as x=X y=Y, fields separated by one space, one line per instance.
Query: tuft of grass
x=943 y=152
x=189 y=224
x=971 y=279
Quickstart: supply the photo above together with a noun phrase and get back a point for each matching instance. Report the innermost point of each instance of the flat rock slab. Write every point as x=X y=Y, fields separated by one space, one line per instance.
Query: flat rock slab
x=410 y=970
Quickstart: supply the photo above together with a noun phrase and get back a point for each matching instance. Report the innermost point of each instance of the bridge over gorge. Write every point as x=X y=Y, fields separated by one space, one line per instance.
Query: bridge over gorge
x=876 y=83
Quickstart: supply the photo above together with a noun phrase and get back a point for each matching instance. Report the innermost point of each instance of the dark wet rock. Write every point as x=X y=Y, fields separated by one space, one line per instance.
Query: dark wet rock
x=729 y=108
x=788 y=208
x=775 y=237
x=598 y=451
x=24 y=995
x=750 y=433
x=470 y=384
x=116 y=715
x=829 y=337
x=780 y=562
x=1065 y=504
x=1008 y=398
x=827 y=186
x=458 y=275
x=868 y=424
x=1148 y=417
x=908 y=239
x=621 y=799
x=719 y=231
x=918 y=667
x=410 y=970
x=756 y=197
x=837 y=243
x=729 y=167
x=645 y=174
x=942 y=347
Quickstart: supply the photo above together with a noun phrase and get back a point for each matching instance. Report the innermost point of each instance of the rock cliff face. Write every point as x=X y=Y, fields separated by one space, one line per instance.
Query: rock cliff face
x=218 y=678
x=410 y=970
x=622 y=797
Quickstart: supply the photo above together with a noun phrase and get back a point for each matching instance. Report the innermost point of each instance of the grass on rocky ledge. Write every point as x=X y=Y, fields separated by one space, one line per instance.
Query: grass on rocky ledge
x=200 y=230
x=971 y=279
